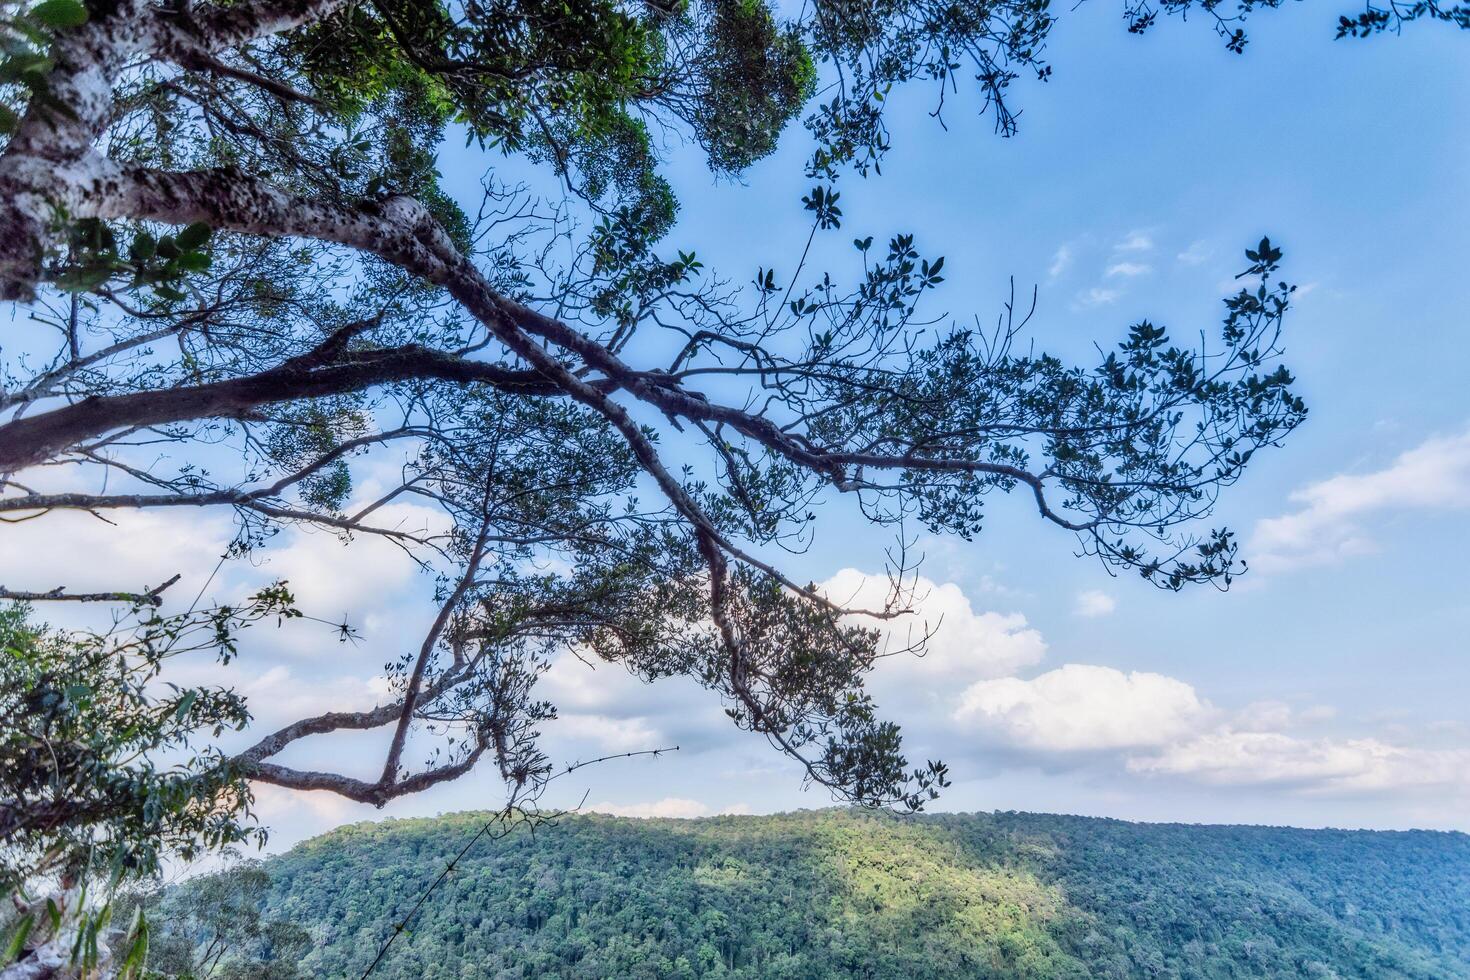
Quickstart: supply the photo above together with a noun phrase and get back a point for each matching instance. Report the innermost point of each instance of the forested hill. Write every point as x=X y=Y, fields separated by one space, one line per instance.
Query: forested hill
x=844 y=894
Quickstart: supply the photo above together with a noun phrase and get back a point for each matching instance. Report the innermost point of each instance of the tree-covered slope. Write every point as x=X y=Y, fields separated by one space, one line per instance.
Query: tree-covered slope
x=846 y=894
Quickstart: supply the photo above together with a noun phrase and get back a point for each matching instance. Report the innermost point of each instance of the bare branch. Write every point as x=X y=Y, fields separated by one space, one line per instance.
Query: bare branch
x=152 y=597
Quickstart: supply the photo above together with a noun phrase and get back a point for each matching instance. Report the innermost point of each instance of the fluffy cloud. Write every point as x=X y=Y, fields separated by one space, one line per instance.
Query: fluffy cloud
x=320 y=808
x=585 y=685
x=609 y=733
x=612 y=711
x=1197 y=253
x=1080 y=707
x=1266 y=716
x=607 y=709
x=1060 y=262
x=670 y=806
x=1152 y=725
x=577 y=684
x=1434 y=475
x=130 y=550
x=278 y=694
x=1128 y=270
x=1135 y=241
x=1097 y=296
x=1322 y=765
x=1093 y=603
x=331 y=578
x=134 y=548
x=964 y=643
x=1145 y=723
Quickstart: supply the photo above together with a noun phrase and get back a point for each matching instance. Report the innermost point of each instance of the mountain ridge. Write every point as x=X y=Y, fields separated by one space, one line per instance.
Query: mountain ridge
x=844 y=893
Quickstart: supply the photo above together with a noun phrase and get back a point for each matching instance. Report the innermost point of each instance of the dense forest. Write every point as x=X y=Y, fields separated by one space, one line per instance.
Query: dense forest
x=842 y=893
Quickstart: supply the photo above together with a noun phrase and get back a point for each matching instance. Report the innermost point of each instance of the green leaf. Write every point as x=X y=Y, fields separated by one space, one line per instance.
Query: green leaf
x=193 y=237
x=17 y=66
x=83 y=280
x=17 y=939
x=185 y=703
x=132 y=965
x=60 y=13
x=193 y=262
x=143 y=247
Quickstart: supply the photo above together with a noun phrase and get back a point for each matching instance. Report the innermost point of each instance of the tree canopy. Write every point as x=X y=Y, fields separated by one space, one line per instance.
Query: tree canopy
x=855 y=894
x=231 y=231
x=98 y=762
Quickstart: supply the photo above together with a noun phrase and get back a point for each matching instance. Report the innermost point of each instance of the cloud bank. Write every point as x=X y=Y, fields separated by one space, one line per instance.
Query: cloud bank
x=975 y=692
x=1328 y=525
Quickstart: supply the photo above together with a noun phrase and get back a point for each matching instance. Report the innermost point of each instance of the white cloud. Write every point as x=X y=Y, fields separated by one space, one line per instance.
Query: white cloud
x=1269 y=715
x=1128 y=270
x=584 y=684
x=1098 y=296
x=1060 y=262
x=964 y=643
x=587 y=685
x=1434 y=475
x=277 y=694
x=1264 y=716
x=1080 y=707
x=1321 y=765
x=1145 y=723
x=1135 y=241
x=1094 y=603
x=291 y=815
x=1152 y=725
x=326 y=809
x=615 y=711
x=332 y=578
x=137 y=549
x=675 y=807
x=609 y=733
x=1196 y=254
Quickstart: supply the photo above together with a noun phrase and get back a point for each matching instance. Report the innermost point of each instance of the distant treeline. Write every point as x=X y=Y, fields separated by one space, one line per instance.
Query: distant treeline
x=847 y=894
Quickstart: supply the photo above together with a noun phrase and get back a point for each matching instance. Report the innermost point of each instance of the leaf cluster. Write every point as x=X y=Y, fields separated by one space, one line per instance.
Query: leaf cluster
x=101 y=770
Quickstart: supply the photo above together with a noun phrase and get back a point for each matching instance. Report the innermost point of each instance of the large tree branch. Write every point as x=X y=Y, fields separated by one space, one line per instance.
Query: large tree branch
x=252 y=760
x=401 y=231
x=38 y=438
x=218 y=26
x=331 y=721
x=235 y=496
x=399 y=713
x=361 y=790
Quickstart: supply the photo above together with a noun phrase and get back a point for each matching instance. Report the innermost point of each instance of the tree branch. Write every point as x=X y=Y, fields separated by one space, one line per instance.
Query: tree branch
x=360 y=790
x=37 y=438
x=152 y=597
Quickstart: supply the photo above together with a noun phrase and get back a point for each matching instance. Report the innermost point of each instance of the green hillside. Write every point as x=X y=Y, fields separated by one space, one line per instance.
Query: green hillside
x=845 y=894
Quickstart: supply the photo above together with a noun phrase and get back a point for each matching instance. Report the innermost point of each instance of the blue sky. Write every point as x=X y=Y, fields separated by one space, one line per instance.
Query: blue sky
x=1326 y=689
